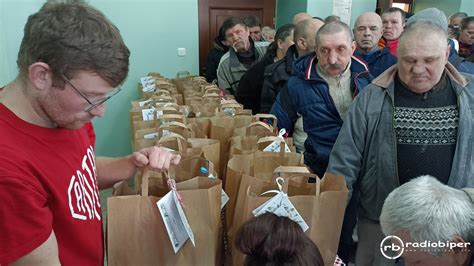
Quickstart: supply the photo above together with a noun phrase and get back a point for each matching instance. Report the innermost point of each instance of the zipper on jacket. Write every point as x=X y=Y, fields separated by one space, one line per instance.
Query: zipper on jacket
x=395 y=141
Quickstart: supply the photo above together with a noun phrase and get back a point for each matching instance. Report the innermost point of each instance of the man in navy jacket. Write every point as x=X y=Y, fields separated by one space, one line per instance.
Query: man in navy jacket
x=367 y=32
x=321 y=89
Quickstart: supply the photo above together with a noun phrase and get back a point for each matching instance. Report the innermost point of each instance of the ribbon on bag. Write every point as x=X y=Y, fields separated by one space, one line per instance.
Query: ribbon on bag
x=171 y=210
x=281 y=206
x=275 y=145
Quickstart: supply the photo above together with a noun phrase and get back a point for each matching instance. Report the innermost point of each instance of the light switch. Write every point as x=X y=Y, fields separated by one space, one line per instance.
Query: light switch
x=181 y=51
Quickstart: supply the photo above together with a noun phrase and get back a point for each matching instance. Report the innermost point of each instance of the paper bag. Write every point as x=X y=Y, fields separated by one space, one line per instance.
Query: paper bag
x=136 y=234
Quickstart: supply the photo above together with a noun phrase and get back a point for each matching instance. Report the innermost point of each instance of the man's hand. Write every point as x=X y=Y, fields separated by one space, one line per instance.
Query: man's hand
x=157 y=158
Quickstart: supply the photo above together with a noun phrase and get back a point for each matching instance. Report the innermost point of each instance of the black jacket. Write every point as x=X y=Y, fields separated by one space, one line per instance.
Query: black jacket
x=276 y=76
x=250 y=86
x=213 y=58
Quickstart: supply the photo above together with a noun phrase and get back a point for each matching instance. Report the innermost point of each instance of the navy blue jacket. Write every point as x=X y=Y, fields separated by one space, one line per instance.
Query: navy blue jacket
x=378 y=61
x=308 y=94
x=459 y=62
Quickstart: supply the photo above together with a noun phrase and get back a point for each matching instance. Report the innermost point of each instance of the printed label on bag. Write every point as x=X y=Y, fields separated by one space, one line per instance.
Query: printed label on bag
x=148 y=114
x=152 y=136
x=281 y=205
x=148 y=84
x=224 y=198
x=174 y=226
x=143 y=103
x=275 y=147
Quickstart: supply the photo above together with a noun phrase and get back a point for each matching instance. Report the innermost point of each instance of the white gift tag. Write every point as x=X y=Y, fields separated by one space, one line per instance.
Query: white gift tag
x=275 y=147
x=169 y=210
x=143 y=103
x=293 y=213
x=159 y=113
x=183 y=218
x=269 y=206
x=147 y=81
x=152 y=136
x=224 y=198
x=281 y=206
x=148 y=114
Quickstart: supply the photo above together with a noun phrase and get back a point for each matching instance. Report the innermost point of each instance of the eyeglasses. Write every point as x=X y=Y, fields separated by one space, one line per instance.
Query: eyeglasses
x=92 y=104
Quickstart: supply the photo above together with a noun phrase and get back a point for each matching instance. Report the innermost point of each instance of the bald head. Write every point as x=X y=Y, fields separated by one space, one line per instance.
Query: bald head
x=300 y=17
x=305 y=35
x=367 y=31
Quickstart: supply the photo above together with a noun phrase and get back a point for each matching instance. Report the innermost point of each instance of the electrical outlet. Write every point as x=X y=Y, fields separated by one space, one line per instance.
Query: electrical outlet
x=181 y=51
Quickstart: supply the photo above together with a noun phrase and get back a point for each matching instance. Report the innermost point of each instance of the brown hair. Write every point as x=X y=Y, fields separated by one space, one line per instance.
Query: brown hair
x=71 y=36
x=272 y=240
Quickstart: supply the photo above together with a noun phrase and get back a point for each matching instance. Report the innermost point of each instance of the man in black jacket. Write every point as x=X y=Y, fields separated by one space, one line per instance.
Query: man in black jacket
x=214 y=56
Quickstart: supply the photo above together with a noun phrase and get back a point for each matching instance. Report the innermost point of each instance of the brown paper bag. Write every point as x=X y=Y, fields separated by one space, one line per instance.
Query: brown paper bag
x=321 y=204
x=209 y=148
x=259 y=164
x=222 y=128
x=136 y=234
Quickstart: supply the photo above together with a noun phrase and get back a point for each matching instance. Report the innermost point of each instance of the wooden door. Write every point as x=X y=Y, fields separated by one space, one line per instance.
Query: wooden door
x=212 y=14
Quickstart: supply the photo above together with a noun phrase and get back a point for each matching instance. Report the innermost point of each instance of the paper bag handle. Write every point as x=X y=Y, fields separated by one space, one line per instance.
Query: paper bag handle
x=259 y=117
x=144 y=173
x=318 y=182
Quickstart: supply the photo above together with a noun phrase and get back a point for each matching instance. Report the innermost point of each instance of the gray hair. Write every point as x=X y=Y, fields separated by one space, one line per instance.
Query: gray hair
x=332 y=28
x=428 y=210
x=430 y=14
x=425 y=27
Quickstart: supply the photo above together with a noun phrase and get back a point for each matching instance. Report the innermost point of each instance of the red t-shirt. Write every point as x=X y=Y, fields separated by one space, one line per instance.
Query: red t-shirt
x=48 y=182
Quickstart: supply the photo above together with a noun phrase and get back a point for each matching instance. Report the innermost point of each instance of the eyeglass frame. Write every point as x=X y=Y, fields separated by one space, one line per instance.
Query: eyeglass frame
x=92 y=105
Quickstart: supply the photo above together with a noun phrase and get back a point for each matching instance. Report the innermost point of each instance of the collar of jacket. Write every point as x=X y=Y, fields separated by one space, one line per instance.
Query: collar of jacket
x=387 y=77
x=357 y=66
x=234 y=60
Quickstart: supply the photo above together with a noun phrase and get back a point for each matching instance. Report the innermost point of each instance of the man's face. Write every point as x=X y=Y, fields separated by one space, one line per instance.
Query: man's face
x=367 y=31
x=255 y=33
x=467 y=35
x=65 y=108
x=421 y=60
x=238 y=37
x=392 y=25
x=456 y=22
x=334 y=52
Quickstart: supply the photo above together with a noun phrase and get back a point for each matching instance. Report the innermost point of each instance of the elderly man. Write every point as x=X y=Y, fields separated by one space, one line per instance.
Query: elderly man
x=49 y=175
x=425 y=210
x=255 y=27
x=367 y=32
x=393 y=20
x=278 y=73
x=414 y=119
x=321 y=89
x=242 y=54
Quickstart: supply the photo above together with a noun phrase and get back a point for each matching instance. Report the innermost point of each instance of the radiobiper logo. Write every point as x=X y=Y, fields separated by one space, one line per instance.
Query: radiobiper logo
x=392 y=247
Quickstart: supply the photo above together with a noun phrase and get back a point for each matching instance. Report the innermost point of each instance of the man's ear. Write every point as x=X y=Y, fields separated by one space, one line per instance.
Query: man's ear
x=40 y=75
x=301 y=43
x=462 y=250
x=353 y=46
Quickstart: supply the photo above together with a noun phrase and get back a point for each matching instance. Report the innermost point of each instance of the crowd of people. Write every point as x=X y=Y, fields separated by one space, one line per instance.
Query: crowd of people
x=388 y=105
x=380 y=104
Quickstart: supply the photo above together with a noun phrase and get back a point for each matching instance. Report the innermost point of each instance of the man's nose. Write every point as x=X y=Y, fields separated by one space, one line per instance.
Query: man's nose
x=98 y=111
x=332 y=58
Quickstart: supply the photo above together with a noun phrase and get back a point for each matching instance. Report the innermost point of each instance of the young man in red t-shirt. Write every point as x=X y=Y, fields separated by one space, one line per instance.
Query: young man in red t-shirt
x=71 y=57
